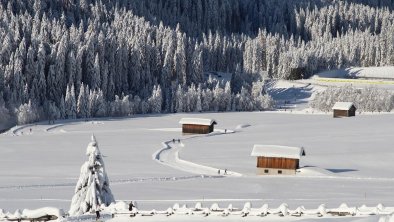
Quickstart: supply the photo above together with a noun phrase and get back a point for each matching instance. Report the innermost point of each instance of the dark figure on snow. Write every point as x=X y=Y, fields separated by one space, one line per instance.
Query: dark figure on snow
x=131 y=205
x=173 y=140
x=225 y=171
x=179 y=141
x=219 y=171
x=97 y=214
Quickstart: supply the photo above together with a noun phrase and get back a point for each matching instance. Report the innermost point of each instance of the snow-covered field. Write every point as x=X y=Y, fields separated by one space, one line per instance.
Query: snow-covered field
x=379 y=77
x=384 y=72
x=347 y=160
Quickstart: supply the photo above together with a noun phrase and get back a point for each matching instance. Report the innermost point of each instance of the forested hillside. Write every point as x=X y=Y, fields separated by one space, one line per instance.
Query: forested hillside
x=88 y=58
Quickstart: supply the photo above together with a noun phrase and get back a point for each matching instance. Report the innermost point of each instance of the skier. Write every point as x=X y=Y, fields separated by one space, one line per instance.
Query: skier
x=131 y=205
x=219 y=171
x=97 y=214
x=225 y=171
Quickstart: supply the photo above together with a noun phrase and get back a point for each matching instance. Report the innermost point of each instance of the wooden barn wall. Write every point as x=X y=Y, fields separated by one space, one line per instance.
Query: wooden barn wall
x=352 y=112
x=338 y=113
x=199 y=129
x=275 y=162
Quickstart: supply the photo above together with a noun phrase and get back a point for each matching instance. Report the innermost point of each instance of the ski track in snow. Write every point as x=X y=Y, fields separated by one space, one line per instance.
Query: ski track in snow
x=57 y=127
x=113 y=182
x=169 y=156
x=183 y=178
x=51 y=128
x=16 y=130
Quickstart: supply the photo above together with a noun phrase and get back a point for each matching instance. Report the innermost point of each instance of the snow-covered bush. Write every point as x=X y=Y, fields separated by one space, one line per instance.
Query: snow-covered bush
x=26 y=113
x=366 y=100
x=92 y=189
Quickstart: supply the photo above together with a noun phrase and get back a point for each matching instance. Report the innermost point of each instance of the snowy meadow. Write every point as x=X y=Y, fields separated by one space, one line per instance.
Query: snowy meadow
x=348 y=161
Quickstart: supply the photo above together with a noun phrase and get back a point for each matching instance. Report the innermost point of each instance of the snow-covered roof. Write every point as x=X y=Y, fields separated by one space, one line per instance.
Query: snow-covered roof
x=197 y=121
x=342 y=105
x=278 y=151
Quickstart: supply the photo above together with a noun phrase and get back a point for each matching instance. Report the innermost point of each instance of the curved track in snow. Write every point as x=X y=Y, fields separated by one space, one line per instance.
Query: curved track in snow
x=53 y=127
x=118 y=181
x=169 y=156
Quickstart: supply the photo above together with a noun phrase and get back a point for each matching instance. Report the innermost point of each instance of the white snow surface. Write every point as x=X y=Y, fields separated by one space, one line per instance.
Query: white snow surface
x=342 y=105
x=197 y=121
x=349 y=160
x=384 y=72
x=277 y=151
x=43 y=212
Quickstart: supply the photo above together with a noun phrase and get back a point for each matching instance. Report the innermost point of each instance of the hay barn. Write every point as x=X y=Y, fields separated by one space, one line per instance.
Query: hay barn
x=344 y=109
x=197 y=125
x=274 y=160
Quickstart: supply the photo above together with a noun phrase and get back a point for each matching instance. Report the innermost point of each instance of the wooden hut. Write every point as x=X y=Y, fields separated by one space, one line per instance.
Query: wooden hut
x=344 y=109
x=273 y=159
x=197 y=125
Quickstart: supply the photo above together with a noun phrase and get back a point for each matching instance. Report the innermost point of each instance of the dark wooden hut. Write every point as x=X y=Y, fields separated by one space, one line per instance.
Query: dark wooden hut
x=197 y=125
x=273 y=159
x=344 y=109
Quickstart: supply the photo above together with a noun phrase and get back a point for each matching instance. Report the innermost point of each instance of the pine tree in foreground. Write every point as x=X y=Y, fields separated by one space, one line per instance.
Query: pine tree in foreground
x=92 y=189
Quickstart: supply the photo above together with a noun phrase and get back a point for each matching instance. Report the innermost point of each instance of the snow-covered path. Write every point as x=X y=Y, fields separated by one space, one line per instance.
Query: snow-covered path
x=169 y=156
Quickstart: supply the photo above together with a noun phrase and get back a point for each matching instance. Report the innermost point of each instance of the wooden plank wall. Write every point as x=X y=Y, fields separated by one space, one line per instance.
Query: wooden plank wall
x=199 y=129
x=279 y=163
x=338 y=113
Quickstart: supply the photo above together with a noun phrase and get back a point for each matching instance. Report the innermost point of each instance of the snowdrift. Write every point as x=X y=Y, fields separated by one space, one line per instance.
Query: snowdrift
x=41 y=214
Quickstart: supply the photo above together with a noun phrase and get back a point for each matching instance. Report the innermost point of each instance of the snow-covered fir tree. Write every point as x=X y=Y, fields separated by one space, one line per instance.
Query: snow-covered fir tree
x=83 y=103
x=92 y=190
x=70 y=103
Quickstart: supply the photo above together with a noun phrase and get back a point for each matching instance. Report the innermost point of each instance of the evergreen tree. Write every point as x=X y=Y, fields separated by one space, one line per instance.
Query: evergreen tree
x=179 y=100
x=96 y=81
x=92 y=189
x=180 y=57
x=70 y=103
x=83 y=103
x=156 y=100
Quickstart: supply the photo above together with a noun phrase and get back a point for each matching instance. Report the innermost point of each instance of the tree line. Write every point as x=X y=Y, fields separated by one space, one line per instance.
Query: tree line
x=82 y=58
